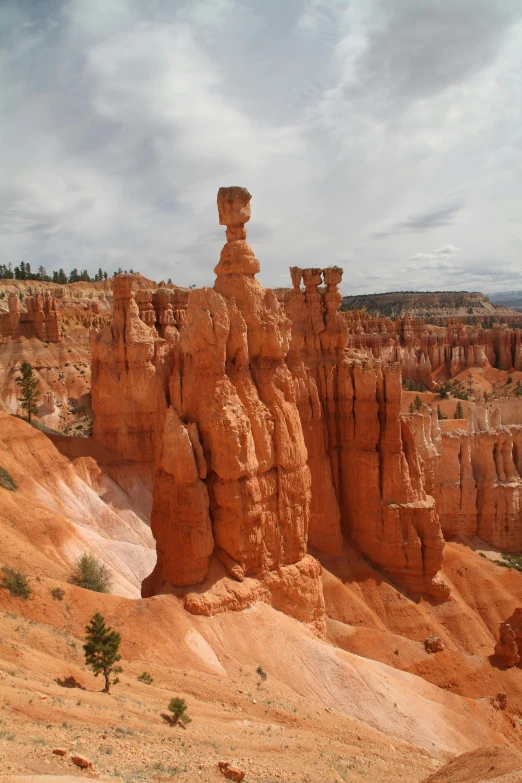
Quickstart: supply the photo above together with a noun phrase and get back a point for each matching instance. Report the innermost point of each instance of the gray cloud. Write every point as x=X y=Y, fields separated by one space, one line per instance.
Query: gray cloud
x=434 y=217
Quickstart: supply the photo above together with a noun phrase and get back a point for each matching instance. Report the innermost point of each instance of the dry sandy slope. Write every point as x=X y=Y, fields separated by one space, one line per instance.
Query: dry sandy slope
x=65 y=507
x=325 y=713
x=485 y=765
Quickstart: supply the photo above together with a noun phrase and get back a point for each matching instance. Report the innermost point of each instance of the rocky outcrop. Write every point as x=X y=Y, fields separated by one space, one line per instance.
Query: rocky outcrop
x=507 y=647
x=350 y=408
x=478 y=485
x=42 y=318
x=130 y=374
x=433 y=644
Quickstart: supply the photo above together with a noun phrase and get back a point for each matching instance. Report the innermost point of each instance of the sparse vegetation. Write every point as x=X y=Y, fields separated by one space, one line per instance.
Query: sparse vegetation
x=16 y=583
x=440 y=415
x=91 y=574
x=178 y=708
x=417 y=403
x=101 y=650
x=57 y=593
x=146 y=678
x=453 y=388
x=511 y=561
x=7 y=481
x=459 y=411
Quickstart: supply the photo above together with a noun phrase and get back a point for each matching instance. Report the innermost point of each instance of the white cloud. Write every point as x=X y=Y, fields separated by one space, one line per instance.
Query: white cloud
x=344 y=120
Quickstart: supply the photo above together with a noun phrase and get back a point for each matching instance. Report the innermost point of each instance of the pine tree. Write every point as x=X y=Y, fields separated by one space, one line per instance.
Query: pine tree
x=29 y=394
x=459 y=411
x=411 y=408
x=178 y=708
x=440 y=414
x=417 y=402
x=101 y=650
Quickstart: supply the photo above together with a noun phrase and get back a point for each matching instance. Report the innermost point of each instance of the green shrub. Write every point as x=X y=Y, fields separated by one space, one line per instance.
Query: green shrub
x=146 y=678
x=16 y=583
x=261 y=672
x=511 y=561
x=7 y=481
x=91 y=574
x=179 y=711
x=57 y=593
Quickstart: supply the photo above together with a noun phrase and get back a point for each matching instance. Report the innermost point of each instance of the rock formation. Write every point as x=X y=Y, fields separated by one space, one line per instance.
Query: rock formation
x=42 y=318
x=267 y=432
x=232 y=447
x=350 y=408
x=423 y=348
x=507 y=647
x=478 y=484
x=130 y=374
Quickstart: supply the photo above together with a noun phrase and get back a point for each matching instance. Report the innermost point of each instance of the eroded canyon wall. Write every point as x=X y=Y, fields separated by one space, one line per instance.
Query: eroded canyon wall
x=478 y=487
x=425 y=348
x=42 y=318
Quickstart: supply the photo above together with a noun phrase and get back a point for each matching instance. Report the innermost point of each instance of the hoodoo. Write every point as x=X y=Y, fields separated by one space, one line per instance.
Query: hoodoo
x=268 y=431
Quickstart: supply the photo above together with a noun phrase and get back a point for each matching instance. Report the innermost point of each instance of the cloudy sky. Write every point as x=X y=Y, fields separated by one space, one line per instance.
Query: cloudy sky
x=381 y=135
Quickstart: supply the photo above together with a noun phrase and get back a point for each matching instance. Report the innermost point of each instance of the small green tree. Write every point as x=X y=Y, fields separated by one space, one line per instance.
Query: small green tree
x=91 y=574
x=146 y=678
x=15 y=582
x=417 y=403
x=459 y=411
x=29 y=394
x=411 y=408
x=179 y=711
x=440 y=414
x=101 y=650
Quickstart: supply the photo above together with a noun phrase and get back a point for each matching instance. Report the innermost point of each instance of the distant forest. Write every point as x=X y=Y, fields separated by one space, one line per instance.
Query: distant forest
x=23 y=272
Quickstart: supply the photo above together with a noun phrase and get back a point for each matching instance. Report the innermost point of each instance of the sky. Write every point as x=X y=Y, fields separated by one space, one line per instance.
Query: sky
x=384 y=136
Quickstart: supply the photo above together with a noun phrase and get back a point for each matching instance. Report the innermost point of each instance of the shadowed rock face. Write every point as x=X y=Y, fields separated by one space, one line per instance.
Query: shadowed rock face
x=267 y=431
